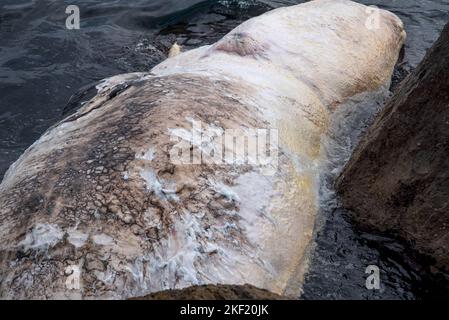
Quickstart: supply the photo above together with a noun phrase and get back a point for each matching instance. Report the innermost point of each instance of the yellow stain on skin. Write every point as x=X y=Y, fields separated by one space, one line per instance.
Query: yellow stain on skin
x=294 y=212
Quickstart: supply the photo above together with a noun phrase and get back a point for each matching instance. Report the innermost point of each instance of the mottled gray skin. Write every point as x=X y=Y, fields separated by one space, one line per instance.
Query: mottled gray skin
x=81 y=185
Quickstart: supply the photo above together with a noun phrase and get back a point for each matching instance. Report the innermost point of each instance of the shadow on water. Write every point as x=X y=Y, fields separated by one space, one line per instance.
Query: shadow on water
x=42 y=64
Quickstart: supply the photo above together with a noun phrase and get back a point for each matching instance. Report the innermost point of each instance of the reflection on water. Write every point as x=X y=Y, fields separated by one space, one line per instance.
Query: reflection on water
x=42 y=64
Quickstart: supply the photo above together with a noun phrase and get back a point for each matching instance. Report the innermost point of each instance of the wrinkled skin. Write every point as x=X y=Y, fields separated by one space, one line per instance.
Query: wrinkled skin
x=100 y=192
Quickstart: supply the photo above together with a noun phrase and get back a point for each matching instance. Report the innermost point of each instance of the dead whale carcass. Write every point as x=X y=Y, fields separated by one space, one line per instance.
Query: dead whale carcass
x=202 y=171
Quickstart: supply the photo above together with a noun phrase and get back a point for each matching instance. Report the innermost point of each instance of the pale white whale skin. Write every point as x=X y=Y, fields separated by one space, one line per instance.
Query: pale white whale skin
x=98 y=190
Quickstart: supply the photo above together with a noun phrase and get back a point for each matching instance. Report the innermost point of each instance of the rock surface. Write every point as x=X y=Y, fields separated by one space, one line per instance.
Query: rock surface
x=397 y=180
x=215 y=292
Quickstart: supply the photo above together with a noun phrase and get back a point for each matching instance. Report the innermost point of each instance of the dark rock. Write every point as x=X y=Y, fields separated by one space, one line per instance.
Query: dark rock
x=215 y=292
x=397 y=180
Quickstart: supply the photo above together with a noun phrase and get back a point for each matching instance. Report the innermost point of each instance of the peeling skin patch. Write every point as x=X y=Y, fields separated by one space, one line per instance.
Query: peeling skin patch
x=161 y=188
x=148 y=155
x=77 y=238
x=191 y=254
x=102 y=239
x=109 y=83
x=42 y=237
x=152 y=182
x=225 y=191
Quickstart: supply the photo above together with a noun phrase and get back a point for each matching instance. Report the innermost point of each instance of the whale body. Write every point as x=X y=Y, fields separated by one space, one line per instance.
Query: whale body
x=203 y=170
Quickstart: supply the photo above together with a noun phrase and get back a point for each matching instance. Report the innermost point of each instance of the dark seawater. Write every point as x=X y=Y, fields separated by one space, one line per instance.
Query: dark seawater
x=42 y=64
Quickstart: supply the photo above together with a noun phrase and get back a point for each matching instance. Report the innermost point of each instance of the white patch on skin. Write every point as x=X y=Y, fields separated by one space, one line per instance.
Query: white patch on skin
x=148 y=156
x=151 y=218
x=77 y=238
x=170 y=192
x=256 y=190
x=224 y=190
x=125 y=175
x=106 y=277
x=189 y=255
x=102 y=239
x=42 y=237
x=111 y=82
x=104 y=85
x=155 y=184
x=152 y=182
